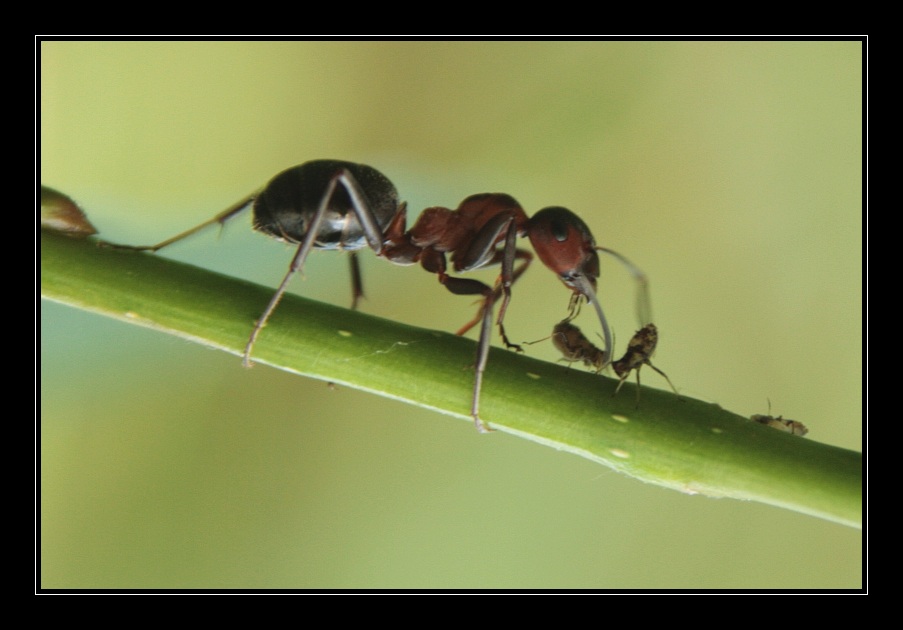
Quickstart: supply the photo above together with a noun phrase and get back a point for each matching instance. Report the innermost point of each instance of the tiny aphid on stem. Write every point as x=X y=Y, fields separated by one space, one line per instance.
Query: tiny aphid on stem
x=639 y=353
x=574 y=346
x=781 y=424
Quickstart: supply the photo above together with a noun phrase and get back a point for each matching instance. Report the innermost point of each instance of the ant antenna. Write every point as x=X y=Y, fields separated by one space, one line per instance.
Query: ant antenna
x=643 y=301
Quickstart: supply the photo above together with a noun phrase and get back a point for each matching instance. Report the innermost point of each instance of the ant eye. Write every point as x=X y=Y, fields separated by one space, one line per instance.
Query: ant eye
x=559 y=230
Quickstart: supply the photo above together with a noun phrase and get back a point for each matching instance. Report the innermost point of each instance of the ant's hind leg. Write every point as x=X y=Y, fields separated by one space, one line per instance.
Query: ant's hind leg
x=220 y=218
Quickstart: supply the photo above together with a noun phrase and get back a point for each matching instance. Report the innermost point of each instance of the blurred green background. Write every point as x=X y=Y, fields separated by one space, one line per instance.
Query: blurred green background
x=730 y=172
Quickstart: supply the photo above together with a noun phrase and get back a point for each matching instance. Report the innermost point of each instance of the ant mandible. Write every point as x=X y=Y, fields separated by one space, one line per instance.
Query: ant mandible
x=334 y=204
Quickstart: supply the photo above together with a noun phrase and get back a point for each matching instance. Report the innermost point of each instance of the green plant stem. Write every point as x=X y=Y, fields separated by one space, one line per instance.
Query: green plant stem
x=680 y=443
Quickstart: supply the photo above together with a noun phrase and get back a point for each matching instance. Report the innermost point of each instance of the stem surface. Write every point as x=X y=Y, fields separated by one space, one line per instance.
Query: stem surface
x=677 y=442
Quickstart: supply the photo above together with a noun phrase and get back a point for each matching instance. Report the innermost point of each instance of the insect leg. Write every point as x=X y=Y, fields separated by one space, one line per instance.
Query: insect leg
x=220 y=218
x=480 y=367
x=357 y=283
x=364 y=215
x=649 y=363
x=466 y=286
x=434 y=262
x=527 y=258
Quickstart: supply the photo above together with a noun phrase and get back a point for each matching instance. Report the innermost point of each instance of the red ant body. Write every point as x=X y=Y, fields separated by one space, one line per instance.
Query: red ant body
x=332 y=204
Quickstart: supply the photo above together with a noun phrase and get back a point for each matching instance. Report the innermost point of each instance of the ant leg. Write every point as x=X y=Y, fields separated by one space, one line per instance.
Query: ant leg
x=435 y=262
x=643 y=301
x=364 y=215
x=220 y=218
x=361 y=207
x=509 y=253
x=357 y=283
x=527 y=258
x=466 y=286
x=480 y=367
x=296 y=264
x=482 y=252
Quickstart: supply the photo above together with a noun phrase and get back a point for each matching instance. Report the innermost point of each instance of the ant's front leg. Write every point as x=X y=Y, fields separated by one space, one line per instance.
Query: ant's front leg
x=527 y=258
x=482 y=252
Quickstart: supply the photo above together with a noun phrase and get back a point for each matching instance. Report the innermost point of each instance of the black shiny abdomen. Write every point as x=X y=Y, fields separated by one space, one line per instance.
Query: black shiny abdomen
x=288 y=203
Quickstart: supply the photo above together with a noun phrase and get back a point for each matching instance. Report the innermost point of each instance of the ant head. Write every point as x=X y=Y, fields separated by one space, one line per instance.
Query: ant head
x=565 y=245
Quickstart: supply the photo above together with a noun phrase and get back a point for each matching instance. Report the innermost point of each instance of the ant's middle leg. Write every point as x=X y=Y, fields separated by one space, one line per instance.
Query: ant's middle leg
x=357 y=283
x=434 y=262
x=466 y=286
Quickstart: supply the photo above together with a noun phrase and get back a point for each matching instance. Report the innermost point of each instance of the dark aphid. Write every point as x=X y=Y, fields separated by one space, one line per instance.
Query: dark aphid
x=779 y=423
x=639 y=353
x=574 y=346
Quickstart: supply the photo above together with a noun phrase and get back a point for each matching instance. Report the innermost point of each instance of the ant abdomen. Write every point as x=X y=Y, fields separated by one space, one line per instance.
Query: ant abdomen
x=287 y=205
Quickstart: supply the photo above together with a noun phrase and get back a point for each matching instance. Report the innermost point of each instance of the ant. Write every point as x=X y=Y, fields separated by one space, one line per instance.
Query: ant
x=334 y=204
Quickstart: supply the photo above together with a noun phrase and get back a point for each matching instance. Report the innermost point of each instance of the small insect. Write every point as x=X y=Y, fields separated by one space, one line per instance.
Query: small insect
x=333 y=204
x=639 y=352
x=779 y=423
x=61 y=214
x=574 y=346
